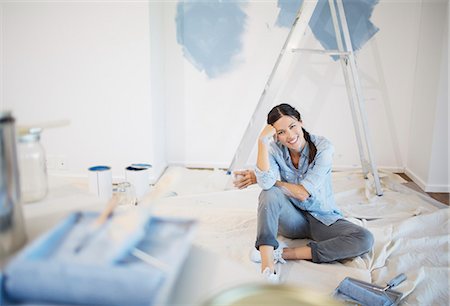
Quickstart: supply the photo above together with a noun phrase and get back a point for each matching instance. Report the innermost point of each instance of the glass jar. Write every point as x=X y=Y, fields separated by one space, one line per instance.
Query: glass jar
x=125 y=193
x=32 y=166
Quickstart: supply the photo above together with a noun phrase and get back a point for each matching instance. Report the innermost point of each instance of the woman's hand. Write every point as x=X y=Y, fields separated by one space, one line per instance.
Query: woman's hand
x=267 y=133
x=244 y=178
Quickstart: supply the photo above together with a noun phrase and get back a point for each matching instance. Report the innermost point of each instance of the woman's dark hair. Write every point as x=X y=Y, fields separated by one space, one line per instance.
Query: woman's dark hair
x=286 y=110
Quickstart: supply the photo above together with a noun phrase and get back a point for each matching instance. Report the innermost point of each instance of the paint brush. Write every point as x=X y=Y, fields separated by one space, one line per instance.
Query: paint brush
x=164 y=184
x=98 y=222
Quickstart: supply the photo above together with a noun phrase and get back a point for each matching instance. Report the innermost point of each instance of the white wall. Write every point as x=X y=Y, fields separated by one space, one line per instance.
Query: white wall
x=96 y=64
x=208 y=116
x=117 y=72
x=428 y=144
x=213 y=113
x=157 y=85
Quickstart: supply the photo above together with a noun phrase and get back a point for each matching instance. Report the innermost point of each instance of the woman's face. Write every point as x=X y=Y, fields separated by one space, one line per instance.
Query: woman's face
x=289 y=132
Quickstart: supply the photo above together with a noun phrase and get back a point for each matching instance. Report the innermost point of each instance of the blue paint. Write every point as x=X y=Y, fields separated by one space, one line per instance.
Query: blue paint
x=99 y=168
x=288 y=12
x=357 y=13
x=138 y=167
x=210 y=33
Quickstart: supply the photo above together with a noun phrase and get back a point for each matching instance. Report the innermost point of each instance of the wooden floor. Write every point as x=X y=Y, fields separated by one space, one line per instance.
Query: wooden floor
x=439 y=196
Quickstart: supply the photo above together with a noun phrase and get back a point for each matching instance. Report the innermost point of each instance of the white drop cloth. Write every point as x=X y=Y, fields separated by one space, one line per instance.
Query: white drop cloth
x=411 y=232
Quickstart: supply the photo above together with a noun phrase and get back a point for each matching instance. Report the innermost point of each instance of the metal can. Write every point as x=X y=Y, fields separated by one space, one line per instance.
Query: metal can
x=12 y=227
x=265 y=294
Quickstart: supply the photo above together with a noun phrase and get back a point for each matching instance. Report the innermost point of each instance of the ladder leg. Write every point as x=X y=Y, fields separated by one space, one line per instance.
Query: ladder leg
x=350 y=92
x=360 y=98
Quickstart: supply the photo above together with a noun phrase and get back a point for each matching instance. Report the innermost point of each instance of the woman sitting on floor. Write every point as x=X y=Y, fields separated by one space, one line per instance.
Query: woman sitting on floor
x=294 y=170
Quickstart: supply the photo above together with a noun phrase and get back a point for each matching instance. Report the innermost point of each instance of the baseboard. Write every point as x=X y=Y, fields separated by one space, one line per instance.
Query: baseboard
x=155 y=174
x=424 y=186
x=416 y=179
x=438 y=188
x=358 y=168
x=200 y=165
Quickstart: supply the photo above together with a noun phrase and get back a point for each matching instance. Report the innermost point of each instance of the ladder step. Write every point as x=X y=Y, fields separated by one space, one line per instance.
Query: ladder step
x=326 y=52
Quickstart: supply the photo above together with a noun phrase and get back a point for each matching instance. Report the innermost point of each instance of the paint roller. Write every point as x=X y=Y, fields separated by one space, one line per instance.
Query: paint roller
x=370 y=295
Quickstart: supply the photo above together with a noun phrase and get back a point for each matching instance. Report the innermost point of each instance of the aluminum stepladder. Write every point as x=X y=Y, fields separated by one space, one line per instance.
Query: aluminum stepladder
x=352 y=82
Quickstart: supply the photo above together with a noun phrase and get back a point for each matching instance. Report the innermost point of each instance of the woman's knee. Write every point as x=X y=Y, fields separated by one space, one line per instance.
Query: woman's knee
x=272 y=197
x=365 y=240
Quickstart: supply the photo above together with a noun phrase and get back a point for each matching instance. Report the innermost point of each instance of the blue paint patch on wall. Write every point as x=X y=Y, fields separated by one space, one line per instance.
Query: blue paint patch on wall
x=210 y=33
x=357 y=12
x=288 y=12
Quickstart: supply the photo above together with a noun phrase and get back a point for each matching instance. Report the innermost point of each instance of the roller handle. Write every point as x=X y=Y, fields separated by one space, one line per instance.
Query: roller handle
x=396 y=281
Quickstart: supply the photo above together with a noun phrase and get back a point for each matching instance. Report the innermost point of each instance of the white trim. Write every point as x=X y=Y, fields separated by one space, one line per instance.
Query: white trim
x=207 y=165
x=438 y=188
x=416 y=179
x=359 y=168
x=424 y=186
x=199 y=165
x=155 y=174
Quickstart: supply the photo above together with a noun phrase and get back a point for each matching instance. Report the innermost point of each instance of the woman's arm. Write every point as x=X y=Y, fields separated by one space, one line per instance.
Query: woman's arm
x=293 y=190
x=262 y=161
x=266 y=170
x=314 y=176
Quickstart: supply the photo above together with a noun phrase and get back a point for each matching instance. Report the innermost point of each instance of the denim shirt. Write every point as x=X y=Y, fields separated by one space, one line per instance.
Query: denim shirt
x=314 y=177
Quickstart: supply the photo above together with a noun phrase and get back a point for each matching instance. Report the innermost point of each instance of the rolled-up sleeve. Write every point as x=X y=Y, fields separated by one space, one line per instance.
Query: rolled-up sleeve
x=316 y=175
x=267 y=179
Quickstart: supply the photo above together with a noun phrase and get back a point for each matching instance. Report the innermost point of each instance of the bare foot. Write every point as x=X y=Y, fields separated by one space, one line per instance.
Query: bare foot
x=297 y=253
x=289 y=253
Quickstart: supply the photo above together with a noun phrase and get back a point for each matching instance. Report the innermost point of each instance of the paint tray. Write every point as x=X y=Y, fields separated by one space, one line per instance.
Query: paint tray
x=48 y=271
x=351 y=290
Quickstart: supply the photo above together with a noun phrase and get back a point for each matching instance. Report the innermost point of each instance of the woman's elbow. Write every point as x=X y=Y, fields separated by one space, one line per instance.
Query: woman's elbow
x=266 y=185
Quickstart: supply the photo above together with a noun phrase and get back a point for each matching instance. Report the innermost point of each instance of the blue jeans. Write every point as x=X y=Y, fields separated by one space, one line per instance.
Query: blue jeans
x=278 y=215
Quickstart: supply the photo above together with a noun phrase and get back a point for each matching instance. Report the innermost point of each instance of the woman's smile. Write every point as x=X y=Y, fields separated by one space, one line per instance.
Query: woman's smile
x=289 y=132
x=293 y=140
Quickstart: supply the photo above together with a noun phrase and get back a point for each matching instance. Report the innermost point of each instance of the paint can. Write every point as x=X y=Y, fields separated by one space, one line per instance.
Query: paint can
x=100 y=181
x=266 y=294
x=138 y=175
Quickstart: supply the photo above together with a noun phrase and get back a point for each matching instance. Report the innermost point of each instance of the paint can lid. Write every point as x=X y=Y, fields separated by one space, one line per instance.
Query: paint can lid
x=32 y=135
x=138 y=167
x=6 y=116
x=99 y=168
